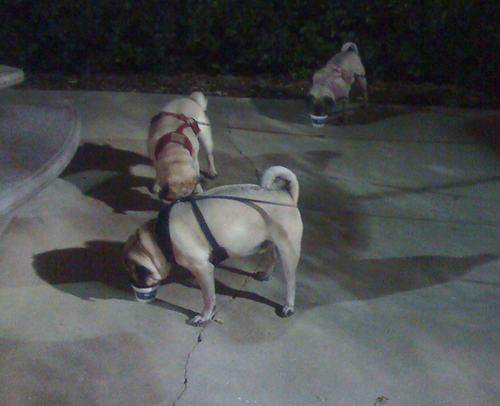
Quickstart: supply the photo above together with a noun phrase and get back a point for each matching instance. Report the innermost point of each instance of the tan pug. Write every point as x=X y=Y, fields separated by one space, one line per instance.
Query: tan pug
x=332 y=83
x=243 y=219
x=175 y=135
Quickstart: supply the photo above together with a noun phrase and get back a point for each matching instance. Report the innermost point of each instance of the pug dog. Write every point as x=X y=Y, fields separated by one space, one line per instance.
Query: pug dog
x=243 y=219
x=174 y=139
x=332 y=83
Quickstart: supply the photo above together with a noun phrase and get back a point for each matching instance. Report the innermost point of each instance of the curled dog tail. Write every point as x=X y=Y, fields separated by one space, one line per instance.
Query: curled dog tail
x=349 y=46
x=200 y=99
x=278 y=178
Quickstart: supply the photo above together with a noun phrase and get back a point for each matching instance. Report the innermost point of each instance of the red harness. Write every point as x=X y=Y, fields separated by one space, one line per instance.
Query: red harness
x=178 y=135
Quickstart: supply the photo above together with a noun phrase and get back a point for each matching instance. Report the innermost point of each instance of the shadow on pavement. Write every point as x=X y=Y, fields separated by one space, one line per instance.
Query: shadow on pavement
x=323 y=278
x=330 y=214
x=326 y=279
x=101 y=261
x=113 y=184
x=486 y=130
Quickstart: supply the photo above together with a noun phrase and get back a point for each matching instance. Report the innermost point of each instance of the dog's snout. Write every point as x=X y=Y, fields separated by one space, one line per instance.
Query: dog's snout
x=140 y=276
x=322 y=106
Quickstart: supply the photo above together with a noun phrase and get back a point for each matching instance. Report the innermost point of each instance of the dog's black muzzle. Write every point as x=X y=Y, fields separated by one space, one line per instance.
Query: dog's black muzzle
x=320 y=107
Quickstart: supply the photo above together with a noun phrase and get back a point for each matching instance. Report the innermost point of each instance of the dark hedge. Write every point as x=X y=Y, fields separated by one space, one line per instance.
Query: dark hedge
x=444 y=41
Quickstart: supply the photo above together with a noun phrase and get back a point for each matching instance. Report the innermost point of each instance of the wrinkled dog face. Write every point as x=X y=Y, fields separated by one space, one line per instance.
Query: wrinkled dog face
x=140 y=276
x=175 y=189
x=143 y=259
x=320 y=105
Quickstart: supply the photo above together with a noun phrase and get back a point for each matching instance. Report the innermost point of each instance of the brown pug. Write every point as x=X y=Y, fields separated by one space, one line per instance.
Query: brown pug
x=174 y=140
x=243 y=219
x=332 y=83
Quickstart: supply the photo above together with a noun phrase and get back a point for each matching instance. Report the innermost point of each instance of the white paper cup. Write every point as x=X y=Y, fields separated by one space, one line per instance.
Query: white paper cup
x=318 y=121
x=145 y=295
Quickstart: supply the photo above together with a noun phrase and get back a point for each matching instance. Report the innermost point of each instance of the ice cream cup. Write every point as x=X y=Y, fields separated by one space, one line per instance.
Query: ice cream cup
x=145 y=295
x=318 y=121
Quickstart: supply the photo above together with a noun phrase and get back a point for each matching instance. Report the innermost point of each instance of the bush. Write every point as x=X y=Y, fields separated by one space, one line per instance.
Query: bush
x=445 y=41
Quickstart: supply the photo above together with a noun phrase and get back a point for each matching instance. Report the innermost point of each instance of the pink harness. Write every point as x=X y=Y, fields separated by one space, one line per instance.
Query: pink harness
x=330 y=81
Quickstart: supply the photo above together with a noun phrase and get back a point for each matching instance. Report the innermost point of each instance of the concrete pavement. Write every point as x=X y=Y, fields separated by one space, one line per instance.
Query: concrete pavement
x=398 y=286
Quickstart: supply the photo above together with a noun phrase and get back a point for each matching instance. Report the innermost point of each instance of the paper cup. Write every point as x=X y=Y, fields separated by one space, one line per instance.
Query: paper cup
x=318 y=121
x=145 y=295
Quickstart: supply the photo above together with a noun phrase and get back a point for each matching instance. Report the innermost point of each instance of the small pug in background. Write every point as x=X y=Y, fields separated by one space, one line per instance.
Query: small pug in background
x=174 y=139
x=332 y=83
x=244 y=220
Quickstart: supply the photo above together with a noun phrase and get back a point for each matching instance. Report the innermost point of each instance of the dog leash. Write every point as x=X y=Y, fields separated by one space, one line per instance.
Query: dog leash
x=239 y=199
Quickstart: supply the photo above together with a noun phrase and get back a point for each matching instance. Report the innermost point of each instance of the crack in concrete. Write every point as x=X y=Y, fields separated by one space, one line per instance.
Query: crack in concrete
x=250 y=161
x=186 y=365
x=200 y=338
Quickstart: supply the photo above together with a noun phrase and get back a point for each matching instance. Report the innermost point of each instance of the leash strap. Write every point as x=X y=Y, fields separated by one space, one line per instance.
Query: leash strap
x=242 y=200
x=162 y=230
x=219 y=253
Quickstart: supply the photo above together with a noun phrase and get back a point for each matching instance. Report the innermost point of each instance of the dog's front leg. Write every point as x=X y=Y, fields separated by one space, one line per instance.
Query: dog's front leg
x=207 y=144
x=364 y=87
x=345 y=107
x=205 y=276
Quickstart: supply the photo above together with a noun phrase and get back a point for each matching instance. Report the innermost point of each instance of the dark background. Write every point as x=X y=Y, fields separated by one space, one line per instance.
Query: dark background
x=451 y=42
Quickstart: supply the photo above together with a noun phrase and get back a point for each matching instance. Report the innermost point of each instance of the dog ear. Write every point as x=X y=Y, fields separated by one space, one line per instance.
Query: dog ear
x=154 y=120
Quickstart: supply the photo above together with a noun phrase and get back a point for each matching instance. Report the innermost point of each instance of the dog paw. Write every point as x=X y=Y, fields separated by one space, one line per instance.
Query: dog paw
x=261 y=276
x=211 y=175
x=198 y=321
x=287 y=311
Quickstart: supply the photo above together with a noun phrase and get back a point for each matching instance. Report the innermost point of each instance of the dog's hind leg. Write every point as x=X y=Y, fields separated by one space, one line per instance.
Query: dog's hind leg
x=289 y=257
x=270 y=250
x=345 y=107
x=364 y=87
